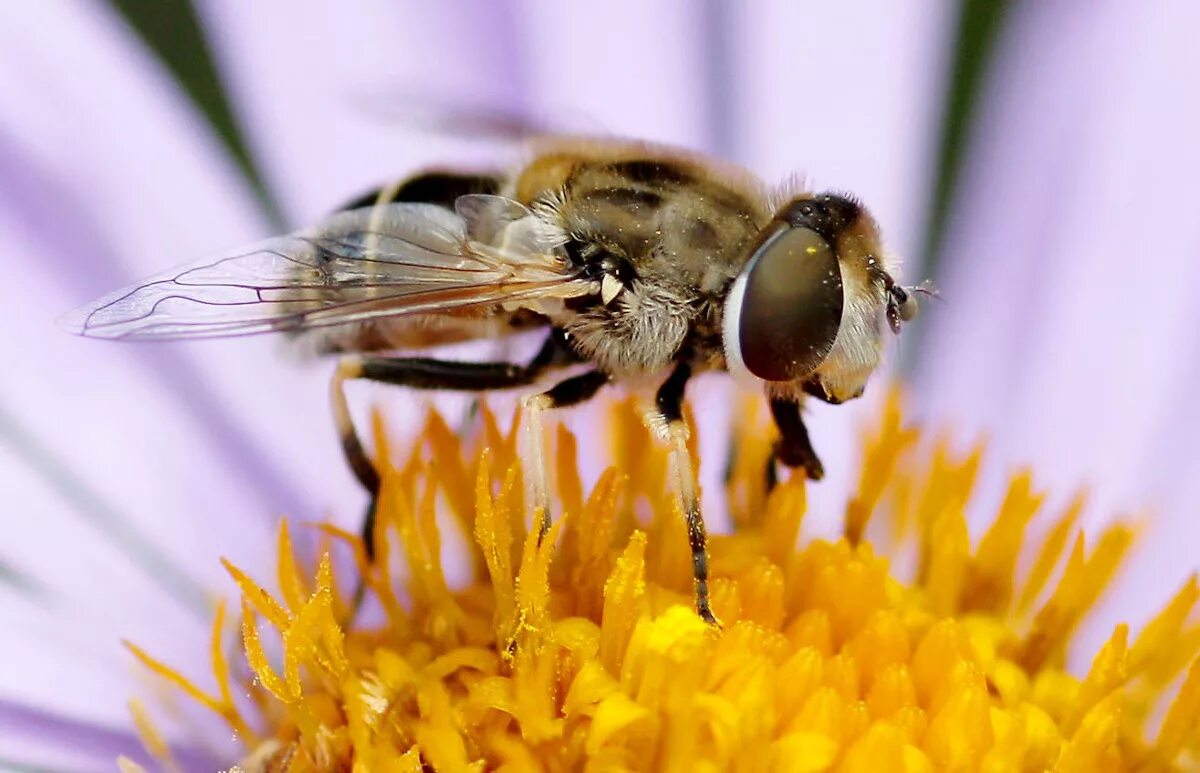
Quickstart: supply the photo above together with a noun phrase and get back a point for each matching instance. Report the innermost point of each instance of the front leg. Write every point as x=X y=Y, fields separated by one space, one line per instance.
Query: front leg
x=813 y=388
x=794 y=448
x=668 y=421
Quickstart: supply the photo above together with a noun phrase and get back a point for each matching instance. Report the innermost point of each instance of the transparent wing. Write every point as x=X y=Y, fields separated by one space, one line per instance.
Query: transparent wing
x=390 y=260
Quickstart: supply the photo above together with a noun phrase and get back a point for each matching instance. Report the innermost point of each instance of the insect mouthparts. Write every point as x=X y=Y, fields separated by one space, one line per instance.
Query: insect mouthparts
x=610 y=287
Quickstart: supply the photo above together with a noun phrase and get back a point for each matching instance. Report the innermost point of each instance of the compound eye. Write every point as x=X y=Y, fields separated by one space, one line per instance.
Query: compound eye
x=785 y=309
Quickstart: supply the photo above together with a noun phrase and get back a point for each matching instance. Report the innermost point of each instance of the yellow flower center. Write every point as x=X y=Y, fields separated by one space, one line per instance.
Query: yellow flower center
x=583 y=650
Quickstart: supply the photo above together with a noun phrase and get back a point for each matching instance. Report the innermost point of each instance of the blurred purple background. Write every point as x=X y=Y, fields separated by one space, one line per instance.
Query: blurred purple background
x=1068 y=262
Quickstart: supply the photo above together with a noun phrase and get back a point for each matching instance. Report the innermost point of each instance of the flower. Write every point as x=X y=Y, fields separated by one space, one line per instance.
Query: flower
x=127 y=470
x=583 y=649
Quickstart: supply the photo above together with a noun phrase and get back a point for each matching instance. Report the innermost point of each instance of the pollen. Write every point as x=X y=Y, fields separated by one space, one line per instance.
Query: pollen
x=581 y=649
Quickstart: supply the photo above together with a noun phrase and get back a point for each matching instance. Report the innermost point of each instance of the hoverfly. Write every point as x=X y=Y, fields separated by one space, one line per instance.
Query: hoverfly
x=645 y=264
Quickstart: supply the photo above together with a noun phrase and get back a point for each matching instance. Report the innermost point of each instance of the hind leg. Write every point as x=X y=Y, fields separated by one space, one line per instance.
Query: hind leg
x=422 y=373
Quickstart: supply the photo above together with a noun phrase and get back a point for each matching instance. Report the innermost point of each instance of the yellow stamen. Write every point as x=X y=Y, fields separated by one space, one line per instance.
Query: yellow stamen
x=291 y=584
x=259 y=599
x=990 y=576
x=581 y=649
x=1180 y=728
x=177 y=679
x=883 y=453
x=151 y=739
x=256 y=657
x=1163 y=634
x=1050 y=553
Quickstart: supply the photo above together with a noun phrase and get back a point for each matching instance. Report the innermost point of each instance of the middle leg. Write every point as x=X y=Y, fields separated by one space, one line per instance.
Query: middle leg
x=668 y=420
x=572 y=391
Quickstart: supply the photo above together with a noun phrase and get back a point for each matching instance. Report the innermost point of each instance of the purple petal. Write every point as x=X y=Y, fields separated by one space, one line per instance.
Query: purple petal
x=848 y=100
x=65 y=660
x=626 y=69
x=1069 y=330
x=319 y=118
x=42 y=740
x=126 y=465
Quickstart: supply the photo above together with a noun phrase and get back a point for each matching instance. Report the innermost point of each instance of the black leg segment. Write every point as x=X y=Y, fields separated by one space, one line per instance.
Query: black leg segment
x=669 y=402
x=577 y=389
x=669 y=399
x=424 y=373
x=794 y=447
x=420 y=373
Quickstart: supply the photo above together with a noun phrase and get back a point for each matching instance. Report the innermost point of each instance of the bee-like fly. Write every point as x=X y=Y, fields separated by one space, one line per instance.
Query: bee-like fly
x=644 y=265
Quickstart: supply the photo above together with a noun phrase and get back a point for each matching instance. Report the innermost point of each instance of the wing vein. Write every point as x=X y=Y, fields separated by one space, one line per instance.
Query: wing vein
x=390 y=261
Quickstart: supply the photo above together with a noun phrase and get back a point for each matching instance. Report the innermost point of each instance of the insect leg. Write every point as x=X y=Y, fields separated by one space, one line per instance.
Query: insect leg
x=770 y=475
x=668 y=421
x=813 y=388
x=423 y=373
x=577 y=389
x=356 y=456
x=794 y=448
x=572 y=391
